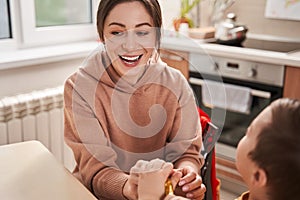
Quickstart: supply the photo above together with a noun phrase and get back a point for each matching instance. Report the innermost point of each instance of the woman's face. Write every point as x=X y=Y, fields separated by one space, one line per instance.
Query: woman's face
x=129 y=37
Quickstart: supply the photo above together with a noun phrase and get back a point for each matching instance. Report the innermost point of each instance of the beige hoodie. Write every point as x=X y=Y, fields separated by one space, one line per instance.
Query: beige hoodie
x=110 y=124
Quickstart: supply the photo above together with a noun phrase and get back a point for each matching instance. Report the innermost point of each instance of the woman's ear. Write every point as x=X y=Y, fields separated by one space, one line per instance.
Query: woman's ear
x=260 y=178
x=101 y=40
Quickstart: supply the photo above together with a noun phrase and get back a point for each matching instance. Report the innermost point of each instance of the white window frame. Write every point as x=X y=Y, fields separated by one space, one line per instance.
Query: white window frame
x=30 y=35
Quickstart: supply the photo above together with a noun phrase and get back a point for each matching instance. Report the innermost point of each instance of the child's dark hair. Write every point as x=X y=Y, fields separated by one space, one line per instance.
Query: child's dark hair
x=278 y=150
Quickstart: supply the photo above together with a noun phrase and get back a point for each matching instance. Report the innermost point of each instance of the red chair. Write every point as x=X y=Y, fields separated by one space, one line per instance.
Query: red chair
x=208 y=171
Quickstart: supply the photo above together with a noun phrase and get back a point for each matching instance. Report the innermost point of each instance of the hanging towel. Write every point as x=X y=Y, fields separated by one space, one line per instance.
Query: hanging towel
x=227 y=96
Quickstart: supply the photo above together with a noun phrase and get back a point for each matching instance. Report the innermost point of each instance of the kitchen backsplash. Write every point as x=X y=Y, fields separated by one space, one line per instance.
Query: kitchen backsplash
x=252 y=14
x=249 y=12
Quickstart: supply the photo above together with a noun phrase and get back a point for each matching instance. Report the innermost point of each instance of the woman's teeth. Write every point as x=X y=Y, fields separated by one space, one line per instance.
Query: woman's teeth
x=130 y=59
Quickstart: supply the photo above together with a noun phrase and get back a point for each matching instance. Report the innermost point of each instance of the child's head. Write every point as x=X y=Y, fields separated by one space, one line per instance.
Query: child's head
x=268 y=156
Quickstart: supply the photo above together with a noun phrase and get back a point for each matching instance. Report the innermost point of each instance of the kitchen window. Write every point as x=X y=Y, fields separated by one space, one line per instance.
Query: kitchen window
x=33 y=23
x=57 y=21
x=62 y=12
x=35 y=31
x=5 y=30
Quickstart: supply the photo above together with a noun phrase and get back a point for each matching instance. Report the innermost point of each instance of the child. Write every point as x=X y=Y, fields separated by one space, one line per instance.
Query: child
x=268 y=156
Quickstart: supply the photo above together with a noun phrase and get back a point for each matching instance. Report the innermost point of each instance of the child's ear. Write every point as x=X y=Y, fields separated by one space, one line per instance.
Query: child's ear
x=260 y=177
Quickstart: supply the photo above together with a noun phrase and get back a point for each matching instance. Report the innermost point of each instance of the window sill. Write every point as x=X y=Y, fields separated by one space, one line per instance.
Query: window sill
x=33 y=56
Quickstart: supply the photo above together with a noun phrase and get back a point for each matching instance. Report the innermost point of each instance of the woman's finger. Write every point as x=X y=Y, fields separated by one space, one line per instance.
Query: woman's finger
x=198 y=193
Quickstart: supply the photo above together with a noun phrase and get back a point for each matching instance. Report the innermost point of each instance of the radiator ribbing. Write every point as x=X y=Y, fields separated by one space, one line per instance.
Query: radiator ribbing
x=37 y=115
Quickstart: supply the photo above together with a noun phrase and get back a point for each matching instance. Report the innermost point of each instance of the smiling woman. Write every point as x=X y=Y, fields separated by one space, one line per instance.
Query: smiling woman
x=124 y=105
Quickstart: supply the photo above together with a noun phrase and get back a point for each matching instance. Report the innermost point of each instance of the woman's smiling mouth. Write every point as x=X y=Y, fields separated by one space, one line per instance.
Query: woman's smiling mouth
x=130 y=61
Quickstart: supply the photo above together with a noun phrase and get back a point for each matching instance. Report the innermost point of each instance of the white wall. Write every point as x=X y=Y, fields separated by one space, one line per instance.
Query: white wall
x=36 y=77
x=251 y=13
x=170 y=10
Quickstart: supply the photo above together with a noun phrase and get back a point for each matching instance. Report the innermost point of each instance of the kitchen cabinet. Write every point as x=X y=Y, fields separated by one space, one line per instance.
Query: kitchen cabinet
x=292 y=82
x=177 y=60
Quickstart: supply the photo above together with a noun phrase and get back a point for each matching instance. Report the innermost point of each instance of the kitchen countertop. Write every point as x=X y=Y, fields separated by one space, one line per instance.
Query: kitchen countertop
x=257 y=55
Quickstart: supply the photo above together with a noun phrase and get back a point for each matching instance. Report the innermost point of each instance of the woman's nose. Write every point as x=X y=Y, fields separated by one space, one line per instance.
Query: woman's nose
x=130 y=42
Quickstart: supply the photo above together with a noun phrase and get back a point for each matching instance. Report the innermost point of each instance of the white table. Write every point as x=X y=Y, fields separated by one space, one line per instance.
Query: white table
x=28 y=171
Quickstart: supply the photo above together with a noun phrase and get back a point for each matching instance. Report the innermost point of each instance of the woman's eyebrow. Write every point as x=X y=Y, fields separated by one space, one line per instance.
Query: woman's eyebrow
x=116 y=23
x=143 y=24
x=122 y=25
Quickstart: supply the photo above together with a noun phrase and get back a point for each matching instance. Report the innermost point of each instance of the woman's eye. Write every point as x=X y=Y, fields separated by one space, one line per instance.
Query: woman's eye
x=117 y=33
x=142 y=33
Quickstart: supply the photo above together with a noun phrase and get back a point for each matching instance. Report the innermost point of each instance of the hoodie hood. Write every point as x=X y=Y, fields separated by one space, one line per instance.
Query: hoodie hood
x=98 y=66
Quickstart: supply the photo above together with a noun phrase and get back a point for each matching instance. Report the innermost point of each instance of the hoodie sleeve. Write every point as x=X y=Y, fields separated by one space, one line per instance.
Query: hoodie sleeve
x=95 y=159
x=186 y=133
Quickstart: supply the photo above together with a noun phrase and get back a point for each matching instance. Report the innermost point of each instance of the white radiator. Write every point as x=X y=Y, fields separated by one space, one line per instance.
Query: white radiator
x=36 y=116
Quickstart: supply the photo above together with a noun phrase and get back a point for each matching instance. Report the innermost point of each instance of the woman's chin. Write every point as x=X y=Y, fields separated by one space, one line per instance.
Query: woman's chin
x=135 y=71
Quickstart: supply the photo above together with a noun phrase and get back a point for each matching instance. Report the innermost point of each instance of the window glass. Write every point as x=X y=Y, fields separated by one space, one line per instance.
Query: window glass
x=62 y=12
x=46 y=22
x=4 y=20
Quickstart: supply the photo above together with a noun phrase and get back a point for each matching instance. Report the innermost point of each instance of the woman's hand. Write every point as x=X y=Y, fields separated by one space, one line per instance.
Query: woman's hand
x=191 y=184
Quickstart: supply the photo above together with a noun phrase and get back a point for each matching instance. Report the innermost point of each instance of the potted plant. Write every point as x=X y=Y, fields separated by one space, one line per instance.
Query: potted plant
x=186 y=7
